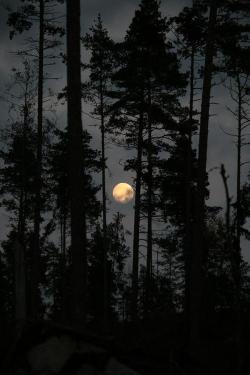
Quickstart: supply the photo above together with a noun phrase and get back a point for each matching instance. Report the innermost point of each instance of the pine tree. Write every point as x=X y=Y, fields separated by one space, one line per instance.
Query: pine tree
x=116 y=281
x=18 y=166
x=148 y=102
x=236 y=54
x=118 y=254
x=23 y=20
x=220 y=13
x=189 y=27
x=58 y=183
x=100 y=65
x=198 y=248
x=76 y=165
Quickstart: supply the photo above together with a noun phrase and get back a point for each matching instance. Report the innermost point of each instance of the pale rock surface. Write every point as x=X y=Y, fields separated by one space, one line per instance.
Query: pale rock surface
x=50 y=356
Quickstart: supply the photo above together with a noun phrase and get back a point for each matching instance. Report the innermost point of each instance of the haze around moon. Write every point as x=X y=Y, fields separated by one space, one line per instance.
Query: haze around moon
x=123 y=193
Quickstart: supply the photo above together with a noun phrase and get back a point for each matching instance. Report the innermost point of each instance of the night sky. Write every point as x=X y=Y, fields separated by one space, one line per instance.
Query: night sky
x=116 y=16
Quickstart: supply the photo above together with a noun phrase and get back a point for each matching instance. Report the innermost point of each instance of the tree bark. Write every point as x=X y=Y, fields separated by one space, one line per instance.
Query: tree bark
x=196 y=271
x=76 y=166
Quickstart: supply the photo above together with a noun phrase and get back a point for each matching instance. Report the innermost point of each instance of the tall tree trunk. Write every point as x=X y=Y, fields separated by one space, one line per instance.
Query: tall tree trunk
x=188 y=208
x=238 y=193
x=239 y=146
x=20 y=284
x=148 y=291
x=237 y=250
x=35 y=272
x=137 y=212
x=228 y=206
x=76 y=165
x=104 y=217
x=196 y=269
x=20 y=264
x=20 y=269
x=63 y=265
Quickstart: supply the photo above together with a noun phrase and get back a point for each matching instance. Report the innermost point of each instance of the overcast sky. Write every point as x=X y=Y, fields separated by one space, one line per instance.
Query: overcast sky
x=117 y=15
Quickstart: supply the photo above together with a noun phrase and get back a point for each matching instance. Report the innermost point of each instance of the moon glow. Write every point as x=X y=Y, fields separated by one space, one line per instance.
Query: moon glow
x=123 y=193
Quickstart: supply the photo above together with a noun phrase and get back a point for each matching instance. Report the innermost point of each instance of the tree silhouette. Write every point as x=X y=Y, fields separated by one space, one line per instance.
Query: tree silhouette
x=100 y=65
x=23 y=20
x=17 y=176
x=76 y=165
x=58 y=190
x=147 y=92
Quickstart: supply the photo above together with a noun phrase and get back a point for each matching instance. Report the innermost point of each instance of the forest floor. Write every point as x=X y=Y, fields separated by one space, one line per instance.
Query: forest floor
x=151 y=347
x=158 y=347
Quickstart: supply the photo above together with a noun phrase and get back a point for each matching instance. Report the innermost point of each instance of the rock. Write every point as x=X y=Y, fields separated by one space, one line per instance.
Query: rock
x=116 y=368
x=50 y=349
x=50 y=356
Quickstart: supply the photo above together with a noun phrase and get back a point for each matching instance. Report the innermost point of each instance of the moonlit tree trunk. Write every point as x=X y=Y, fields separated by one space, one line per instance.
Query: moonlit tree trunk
x=76 y=165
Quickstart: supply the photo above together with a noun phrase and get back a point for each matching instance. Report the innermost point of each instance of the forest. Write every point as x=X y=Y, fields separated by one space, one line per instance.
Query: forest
x=163 y=285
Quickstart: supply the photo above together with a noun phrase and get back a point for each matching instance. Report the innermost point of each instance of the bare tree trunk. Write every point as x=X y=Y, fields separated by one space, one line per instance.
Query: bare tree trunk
x=76 y=165
x=228 y=204
x=239 y=146
x=104 y=217
x=20 y=267
x=35 y=271
x=63 y=266
x=148 y=292
x=196 y=269
x=19 y=249
x=237 y=257
x=137 y=212
x=20 y=264
x=236 y=273
x=188 y=208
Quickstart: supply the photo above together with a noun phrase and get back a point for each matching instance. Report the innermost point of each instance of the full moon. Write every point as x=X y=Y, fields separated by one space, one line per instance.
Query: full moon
x=123 y=193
